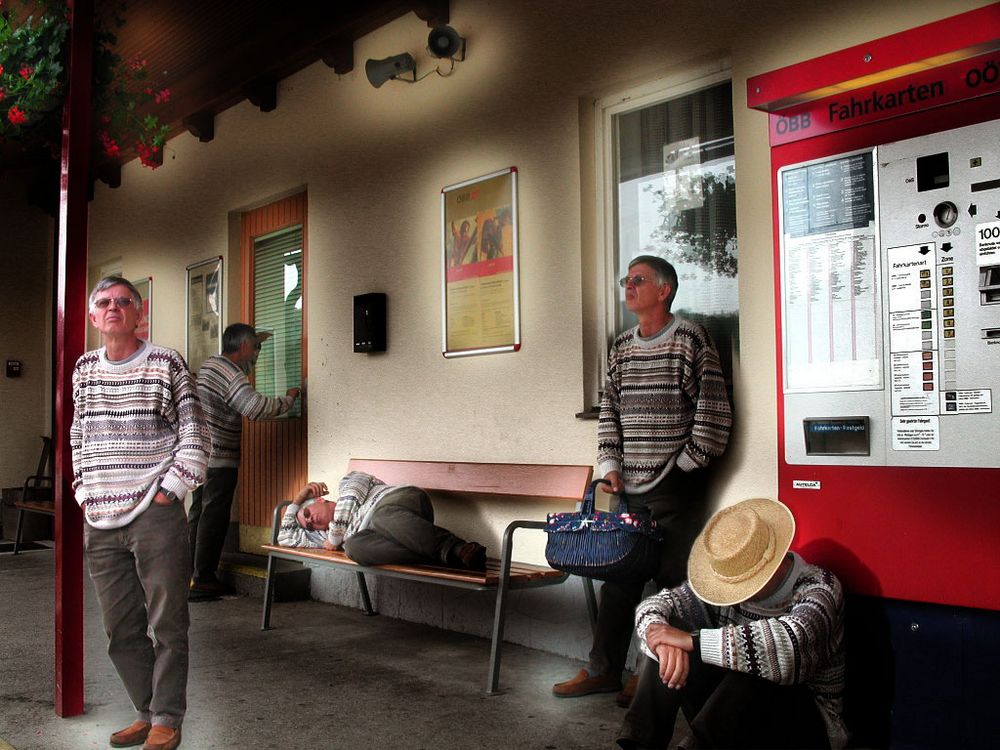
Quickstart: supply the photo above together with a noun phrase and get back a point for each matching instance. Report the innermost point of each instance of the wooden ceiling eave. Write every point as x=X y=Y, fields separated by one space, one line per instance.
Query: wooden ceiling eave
x=211 y=63
x=244 y=72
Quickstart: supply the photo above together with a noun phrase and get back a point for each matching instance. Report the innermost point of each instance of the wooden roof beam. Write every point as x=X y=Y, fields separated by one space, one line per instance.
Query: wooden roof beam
x=201 y=125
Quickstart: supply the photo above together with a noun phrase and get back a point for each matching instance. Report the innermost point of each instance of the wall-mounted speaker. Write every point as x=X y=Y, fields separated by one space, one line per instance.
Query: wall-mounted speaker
x=369 y=322
x=389 y=68
x=444 y=41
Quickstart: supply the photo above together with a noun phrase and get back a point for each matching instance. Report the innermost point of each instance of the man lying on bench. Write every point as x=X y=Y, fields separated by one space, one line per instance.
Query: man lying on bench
x=375 y=524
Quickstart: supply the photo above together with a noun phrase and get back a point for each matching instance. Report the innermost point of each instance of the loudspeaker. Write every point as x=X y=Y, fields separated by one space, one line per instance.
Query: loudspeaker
x=380 y=71
x=369 y=322
x=444 y=41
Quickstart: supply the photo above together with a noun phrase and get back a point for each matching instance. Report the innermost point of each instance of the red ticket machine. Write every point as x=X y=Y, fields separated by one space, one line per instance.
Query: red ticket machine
x=886 y=206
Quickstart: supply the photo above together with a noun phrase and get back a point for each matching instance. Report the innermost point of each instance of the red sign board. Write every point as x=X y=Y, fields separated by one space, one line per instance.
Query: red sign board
x=968 y=79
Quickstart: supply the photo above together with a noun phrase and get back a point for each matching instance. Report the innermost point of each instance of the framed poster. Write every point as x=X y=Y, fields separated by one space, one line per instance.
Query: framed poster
x=145 y=289
x=203 y=336
x=480 y=292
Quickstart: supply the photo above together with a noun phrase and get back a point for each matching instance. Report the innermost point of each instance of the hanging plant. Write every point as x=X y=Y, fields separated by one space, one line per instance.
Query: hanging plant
x=33 y=52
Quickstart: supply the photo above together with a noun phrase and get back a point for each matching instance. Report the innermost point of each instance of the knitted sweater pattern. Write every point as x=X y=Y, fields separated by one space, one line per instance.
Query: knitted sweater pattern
x=796 y=636
x=137 y=428
x=357 y=497
x=226 y=397
x=665 y=402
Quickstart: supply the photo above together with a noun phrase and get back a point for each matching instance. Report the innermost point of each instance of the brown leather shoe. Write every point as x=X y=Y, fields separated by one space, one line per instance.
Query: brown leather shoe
x=584 y=684
x=163 y=738
x=624 y=698
x=132 y=735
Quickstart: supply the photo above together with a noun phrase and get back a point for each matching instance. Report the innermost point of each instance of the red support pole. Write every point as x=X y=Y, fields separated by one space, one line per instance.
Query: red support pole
x=71 y=329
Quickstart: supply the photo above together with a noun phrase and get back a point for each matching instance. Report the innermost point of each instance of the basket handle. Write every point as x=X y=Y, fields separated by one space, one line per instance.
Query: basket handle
x=588 y=497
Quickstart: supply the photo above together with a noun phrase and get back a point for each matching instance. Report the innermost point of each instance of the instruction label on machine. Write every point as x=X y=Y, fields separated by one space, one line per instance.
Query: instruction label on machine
x=916 y=434
x=988 y=243
x=967 y=402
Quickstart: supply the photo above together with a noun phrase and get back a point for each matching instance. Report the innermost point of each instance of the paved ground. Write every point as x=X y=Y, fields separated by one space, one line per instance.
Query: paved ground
x=326 y=677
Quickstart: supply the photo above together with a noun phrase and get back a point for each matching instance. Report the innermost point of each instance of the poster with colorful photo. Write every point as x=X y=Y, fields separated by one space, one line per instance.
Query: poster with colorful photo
x=480 y=290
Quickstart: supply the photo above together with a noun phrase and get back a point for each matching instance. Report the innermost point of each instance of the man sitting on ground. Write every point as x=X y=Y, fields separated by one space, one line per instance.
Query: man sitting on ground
x=751 y=647
x=375 y=524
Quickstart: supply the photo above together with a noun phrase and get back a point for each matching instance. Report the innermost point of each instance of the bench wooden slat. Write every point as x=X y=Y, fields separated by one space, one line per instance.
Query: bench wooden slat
x=562 y=482
x=519 y=572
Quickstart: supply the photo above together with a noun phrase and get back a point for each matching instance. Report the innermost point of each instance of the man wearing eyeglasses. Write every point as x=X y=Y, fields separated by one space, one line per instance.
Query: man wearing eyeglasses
x=227 y=397
x=139 y=443
x=665 y=416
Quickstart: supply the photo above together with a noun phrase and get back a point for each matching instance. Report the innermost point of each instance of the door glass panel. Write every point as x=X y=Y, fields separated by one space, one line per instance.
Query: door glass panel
x=278 y=311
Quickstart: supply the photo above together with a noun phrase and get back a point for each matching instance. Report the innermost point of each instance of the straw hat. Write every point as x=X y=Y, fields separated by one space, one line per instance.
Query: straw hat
x=738 y=551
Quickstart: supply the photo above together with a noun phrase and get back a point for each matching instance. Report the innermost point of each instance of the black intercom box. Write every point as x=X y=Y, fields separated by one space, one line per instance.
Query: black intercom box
x=369 y=322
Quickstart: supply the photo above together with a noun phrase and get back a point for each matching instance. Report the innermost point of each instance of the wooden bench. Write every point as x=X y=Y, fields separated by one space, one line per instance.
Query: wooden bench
x=563 y=482
x=36 y=495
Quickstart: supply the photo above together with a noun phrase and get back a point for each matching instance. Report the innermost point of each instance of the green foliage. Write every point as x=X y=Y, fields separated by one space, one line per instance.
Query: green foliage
x=32 y=66
x=33 y=54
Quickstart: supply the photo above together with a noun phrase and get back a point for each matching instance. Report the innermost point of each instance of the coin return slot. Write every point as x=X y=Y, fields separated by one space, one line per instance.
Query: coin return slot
x=989 y=285
x=991 y=333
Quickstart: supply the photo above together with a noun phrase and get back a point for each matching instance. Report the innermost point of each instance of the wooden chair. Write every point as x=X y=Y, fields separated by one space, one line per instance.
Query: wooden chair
x=37 y=492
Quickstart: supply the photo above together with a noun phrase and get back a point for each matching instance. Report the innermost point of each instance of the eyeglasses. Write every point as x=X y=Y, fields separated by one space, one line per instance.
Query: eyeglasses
x=103 y=303
x=306 y=516
x=636 y=280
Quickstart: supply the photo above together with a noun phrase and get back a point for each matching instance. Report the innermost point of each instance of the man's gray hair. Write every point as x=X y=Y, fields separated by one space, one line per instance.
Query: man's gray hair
x=234 y=336
x=109 y=281
x=665 y=273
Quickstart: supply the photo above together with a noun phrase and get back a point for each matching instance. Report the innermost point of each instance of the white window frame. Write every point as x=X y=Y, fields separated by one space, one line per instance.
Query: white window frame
x=606 y=229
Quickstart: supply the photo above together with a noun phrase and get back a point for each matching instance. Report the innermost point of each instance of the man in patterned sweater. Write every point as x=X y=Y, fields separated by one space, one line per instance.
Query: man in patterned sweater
x=139 y=443
x=226 y=396
x=751 y=647
x=664 y=417
x=375 y=524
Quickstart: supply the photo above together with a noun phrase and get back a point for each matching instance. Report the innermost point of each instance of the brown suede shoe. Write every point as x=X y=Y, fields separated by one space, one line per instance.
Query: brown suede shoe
x=624 y=698
x=132 y=735
x=584 y=684
x=163 y=738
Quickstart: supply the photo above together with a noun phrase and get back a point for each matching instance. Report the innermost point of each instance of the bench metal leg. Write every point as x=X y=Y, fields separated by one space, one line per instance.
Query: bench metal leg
x=272 y=563
x=588 y=590
x=20 y=530
x=500 y=612
x=366 y=600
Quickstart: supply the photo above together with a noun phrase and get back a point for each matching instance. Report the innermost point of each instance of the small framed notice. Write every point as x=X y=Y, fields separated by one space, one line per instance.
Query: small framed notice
x=204 y=311
x=480 y=292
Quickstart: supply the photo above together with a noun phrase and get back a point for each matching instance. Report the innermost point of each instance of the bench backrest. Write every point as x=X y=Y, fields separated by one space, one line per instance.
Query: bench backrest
x=559 y=481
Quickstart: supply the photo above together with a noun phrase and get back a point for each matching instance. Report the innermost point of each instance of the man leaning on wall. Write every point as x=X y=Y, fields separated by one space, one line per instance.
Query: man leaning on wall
x=139 y=443
x=665 y=416
x=226 y=396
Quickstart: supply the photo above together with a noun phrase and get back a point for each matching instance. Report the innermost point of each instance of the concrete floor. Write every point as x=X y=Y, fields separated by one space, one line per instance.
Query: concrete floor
x=326 y=676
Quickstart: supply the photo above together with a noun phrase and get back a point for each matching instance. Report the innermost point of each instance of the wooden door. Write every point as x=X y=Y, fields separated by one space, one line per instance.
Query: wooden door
x=274 y=458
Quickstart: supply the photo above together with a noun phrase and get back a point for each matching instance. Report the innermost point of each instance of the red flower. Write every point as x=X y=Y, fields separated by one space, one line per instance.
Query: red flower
x=163 y=97
x=110 y=146
x=26 y=72
x=16 y=116
x=1 y=70
x=148 y=155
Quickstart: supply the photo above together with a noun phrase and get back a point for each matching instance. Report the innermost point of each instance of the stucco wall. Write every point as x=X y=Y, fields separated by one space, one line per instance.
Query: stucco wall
x=374 y=161
x=26 y=289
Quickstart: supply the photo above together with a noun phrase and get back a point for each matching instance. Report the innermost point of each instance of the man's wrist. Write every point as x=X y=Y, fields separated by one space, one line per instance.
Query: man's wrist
x=172 y=496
